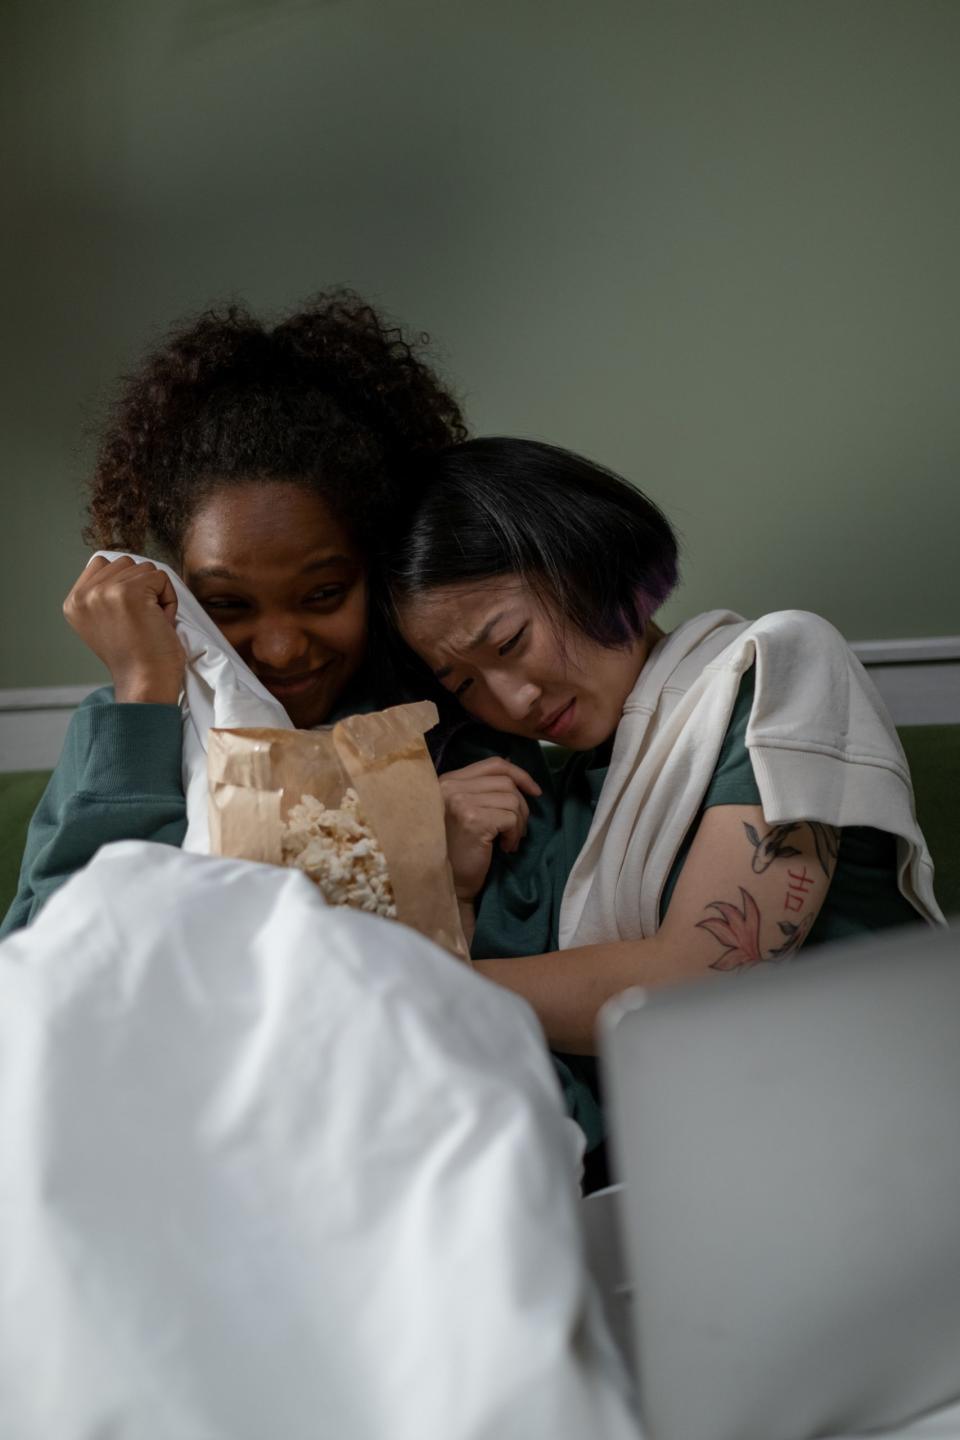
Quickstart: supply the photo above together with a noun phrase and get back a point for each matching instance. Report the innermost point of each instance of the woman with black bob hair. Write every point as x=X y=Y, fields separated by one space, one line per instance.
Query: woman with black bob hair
x=263 y=462
x=598 y=554
x=725 y=793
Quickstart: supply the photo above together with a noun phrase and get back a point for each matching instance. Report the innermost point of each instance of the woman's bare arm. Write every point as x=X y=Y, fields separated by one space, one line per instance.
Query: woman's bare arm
x=747 y=895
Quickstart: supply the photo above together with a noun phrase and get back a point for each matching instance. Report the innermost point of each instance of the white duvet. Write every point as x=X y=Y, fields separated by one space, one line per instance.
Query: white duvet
x=270 y=1170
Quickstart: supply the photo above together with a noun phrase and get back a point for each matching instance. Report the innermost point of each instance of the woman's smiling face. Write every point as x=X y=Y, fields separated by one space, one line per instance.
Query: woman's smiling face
x=512 y=664
x=280 y=576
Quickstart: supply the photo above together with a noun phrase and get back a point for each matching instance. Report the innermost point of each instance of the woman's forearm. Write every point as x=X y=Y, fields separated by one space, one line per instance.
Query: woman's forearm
x=567 y=988
x=468 y=918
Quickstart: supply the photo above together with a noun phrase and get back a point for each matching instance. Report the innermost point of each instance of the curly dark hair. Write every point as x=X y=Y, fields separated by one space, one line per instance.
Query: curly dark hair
x=333 y=397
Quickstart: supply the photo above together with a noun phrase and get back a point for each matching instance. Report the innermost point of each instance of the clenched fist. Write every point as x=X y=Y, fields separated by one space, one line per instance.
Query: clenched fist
x=483 y=802
x=124 y=610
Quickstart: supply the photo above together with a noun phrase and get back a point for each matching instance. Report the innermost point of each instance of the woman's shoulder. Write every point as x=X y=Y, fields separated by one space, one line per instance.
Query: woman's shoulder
x=799 y=627
x=788 y=645
x=779 y=623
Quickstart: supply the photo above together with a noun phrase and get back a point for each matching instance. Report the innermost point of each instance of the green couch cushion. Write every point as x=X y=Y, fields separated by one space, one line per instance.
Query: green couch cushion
x=934 y=755
x=933 y=752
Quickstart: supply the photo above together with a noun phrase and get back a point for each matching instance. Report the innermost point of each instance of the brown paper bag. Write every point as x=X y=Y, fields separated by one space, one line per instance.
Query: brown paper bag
x=256 y=777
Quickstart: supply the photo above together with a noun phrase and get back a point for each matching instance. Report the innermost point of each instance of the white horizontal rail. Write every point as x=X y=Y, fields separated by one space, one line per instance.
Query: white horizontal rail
x=45 y=697
x=919 y=680
x=931 y=650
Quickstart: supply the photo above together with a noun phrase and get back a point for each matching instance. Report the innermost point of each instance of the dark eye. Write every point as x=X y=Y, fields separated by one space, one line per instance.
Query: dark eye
x=222 y=603
x=462 y=689
x=326 y=595
x=508 y=645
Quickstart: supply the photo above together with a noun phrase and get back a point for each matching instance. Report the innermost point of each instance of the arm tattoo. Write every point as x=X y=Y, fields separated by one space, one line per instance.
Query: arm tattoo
x=773 y=845
x=827 y=840
x=796 y=934
x=798 y=883
x=770 y=847
x=738 y=928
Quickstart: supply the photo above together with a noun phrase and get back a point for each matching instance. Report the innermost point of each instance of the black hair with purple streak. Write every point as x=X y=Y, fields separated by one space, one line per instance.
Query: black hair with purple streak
x=591 y=546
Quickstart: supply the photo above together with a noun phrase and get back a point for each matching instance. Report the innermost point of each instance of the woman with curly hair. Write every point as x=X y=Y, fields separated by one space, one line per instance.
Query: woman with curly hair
x=262 y=463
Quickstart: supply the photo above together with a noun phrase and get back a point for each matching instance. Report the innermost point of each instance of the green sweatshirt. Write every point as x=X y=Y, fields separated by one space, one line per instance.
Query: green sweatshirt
x=118 y=778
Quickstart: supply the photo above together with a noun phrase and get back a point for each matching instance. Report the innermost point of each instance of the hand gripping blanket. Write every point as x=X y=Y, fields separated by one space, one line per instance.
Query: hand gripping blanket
x=275 y=1171
x=220 y=691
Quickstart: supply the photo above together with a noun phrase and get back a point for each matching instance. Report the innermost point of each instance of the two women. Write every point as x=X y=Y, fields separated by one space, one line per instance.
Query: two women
x=730 y=792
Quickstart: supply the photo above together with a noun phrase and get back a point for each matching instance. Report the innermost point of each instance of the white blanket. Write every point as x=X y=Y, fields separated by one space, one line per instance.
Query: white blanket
x=220 y=690
x=821 y=743
x=269 y=1169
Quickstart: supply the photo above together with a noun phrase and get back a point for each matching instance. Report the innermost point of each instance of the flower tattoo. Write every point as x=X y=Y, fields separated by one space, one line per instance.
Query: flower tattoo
x=738 y=928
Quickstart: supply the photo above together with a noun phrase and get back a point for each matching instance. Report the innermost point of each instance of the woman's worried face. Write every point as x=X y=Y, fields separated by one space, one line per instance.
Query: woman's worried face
x=279 y=575
x=512 y=664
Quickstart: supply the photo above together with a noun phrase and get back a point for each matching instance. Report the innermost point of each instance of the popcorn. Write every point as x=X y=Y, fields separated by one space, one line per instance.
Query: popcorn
x=357 y=807
x=340 y=853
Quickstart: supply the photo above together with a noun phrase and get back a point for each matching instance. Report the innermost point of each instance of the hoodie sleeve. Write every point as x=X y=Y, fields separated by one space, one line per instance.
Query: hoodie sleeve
x=118 y=778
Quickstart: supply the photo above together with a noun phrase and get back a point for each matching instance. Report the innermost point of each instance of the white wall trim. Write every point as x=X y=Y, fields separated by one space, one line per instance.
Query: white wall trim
x=45 y=697
x=919 y=680
x=931 y=648
x=33 y=724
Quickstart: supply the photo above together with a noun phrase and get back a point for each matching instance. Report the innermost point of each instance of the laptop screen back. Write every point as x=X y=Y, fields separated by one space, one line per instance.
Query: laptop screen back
x=789 y=1143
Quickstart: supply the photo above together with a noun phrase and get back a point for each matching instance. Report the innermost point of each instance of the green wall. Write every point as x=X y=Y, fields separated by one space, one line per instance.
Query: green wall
x=714 y=246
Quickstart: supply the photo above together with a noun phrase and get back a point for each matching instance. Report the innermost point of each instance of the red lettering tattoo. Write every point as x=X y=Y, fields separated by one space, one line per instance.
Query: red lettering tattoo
x=798 y=883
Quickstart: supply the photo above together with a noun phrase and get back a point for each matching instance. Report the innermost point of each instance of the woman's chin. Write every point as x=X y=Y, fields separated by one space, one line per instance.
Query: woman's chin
x=590 y=734
x=308 y=711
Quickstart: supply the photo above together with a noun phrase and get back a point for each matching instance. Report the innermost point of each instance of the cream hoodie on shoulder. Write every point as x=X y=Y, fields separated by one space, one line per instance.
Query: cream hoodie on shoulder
x=821 y=743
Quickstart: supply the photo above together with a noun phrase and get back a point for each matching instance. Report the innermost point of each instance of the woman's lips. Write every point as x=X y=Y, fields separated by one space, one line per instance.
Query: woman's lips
x=561 y=722
x=295 y=685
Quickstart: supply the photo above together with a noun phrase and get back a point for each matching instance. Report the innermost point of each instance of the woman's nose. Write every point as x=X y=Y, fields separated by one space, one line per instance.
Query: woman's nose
x=278 y=645
x=517 y=697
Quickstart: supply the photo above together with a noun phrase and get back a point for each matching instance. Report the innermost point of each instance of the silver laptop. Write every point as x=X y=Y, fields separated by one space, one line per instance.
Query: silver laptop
x=789 y=1145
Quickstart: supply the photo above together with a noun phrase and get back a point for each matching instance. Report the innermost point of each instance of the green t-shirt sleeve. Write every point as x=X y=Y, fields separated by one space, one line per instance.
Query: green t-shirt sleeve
x=733 y=781
x=118 y=778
